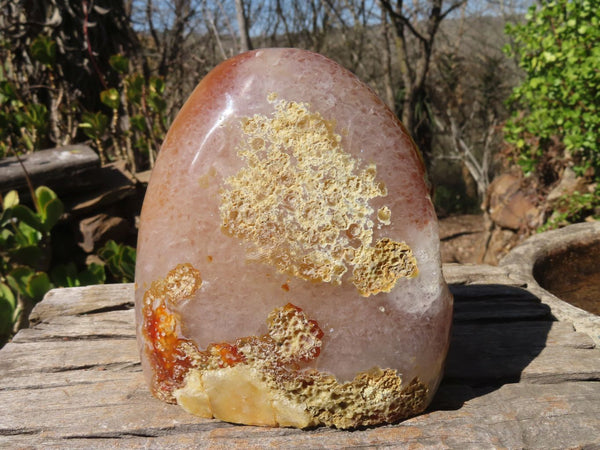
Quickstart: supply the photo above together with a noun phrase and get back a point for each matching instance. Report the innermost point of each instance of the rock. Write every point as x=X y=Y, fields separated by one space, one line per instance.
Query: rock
x=500 y=242
x=568 y=184
x=99 y=229
x=508 y=206
x=288 y=269
x=462 y=238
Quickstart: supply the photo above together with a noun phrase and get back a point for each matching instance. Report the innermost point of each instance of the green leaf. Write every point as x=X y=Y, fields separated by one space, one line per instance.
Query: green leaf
x=157 y=103
x=157 y=85
x=38 y=286
x=119 y=63
x=10 y=199
x=65 y=275
x=94 y=274
x=138 y=122
x=36 y=115
x=27 y=216
x=51 y=213
x=7 y=295
x=7 y=91
x=18 y=279
x=27 y=235
x=8 y=305
x=135 y=88
x=50 y=207
x=120 y=260
x=43 y=49
x=110 y=97
x=28 y=255
x=94 y=125
x=44 y=195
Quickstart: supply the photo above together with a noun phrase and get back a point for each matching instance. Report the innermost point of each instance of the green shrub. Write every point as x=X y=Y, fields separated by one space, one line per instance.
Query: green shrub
x=556 y=110
x=120 y=260
x=26 y=269
x=558 y=47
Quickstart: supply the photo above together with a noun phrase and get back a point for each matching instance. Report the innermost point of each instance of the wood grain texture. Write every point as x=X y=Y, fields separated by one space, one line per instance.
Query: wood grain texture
x=61 y=169
x=515 y=378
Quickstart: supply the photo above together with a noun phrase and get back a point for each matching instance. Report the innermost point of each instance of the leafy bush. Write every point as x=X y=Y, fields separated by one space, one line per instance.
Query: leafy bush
x=558 y=47
x=120 y=260
x=26 y=269
x=556 y=110
x=24 y=254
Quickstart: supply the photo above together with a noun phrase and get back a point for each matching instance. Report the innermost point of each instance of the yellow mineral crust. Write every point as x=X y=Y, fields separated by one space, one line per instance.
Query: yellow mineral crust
x=376 y=269
x=267 y=387
x=165 y=347
x=301 y=202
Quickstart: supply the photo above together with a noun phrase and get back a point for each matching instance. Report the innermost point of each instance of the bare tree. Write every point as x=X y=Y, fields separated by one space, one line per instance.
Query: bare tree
x=416 y=23
x=387 y=60
x=242 y=20
x=305 y=24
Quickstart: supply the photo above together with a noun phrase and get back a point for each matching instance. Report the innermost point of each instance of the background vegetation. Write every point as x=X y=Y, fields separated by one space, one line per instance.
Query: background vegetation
x=113 y=73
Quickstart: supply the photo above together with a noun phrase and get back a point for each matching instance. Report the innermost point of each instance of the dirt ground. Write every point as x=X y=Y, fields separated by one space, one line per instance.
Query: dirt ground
x=461 y=238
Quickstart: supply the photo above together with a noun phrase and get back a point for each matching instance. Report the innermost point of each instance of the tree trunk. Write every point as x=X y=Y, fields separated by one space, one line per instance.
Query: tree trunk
x=414 y=77
x=387 y=58
x=242 y=19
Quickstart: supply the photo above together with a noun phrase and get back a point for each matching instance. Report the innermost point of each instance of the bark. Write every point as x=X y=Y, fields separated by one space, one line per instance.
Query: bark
x=242 y=20
x=387 y=59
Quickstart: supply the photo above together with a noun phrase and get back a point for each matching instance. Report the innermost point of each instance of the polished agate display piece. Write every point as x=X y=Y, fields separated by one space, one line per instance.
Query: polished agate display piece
x=288 y=269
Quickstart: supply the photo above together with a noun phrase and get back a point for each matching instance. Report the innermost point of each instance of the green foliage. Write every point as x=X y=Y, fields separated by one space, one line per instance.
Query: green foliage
x=22 y=125
x=558 y=47
x=8 y=311
x=67 y=275
x=110 y=97
x=119 y=63
x=120 y=260
x=129 y=121
x=574 y=208
x=94 y=125
x=25 y=256
x=24 y=236
x=43 y=50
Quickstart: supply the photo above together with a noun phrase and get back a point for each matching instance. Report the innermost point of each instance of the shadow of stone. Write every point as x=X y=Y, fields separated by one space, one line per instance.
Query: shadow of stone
x=497 y=331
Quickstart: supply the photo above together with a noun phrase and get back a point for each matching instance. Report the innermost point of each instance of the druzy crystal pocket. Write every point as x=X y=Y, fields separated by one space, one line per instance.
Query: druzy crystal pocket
x=288 y=268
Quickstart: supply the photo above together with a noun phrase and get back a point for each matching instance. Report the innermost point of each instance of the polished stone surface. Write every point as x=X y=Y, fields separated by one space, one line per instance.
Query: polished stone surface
x=286 y=180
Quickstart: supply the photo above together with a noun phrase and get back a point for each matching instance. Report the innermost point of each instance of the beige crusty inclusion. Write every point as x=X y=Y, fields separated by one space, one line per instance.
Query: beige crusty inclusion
x=302 y=203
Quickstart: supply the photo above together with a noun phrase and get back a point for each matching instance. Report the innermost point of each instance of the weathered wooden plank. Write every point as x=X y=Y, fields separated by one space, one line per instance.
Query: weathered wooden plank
x=478 y=274
x=535 y=352
x=61 y=169
x=513 y=416
x=479 y=354
x=20 y=360
x=83 y=300
x=106 y=325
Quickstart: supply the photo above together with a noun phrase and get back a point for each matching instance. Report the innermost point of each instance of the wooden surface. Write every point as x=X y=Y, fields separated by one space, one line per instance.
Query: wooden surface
x=515 y=378
x=62 y=169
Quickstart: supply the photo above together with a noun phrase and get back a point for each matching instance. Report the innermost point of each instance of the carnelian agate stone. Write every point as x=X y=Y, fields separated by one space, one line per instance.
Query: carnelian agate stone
x=288 y=269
